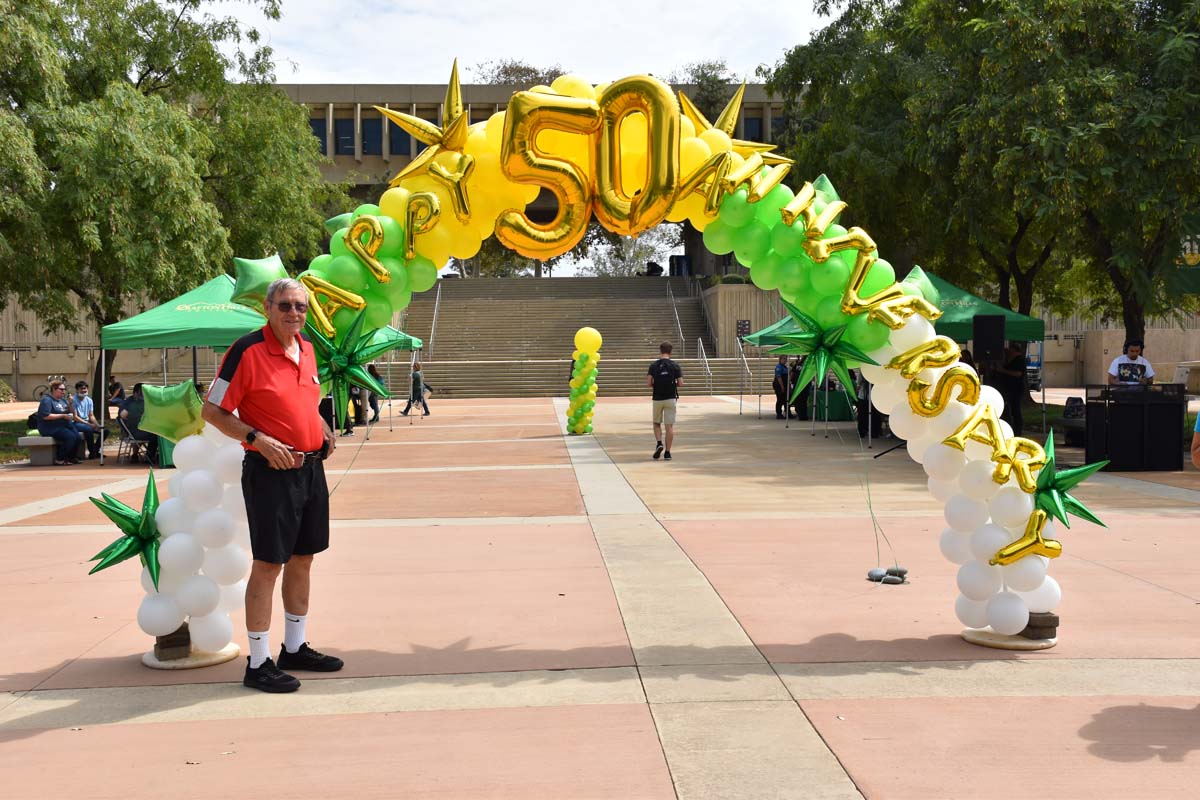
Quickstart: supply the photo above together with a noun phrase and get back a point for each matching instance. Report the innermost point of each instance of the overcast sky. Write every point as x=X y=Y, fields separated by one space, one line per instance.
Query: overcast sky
x=400 y=41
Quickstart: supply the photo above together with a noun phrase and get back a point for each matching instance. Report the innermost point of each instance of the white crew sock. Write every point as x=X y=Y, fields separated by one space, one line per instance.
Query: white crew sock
x=260 y=647
x=293 y=631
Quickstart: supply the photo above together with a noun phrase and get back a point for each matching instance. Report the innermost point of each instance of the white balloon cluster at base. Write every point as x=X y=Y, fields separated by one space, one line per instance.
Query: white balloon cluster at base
x=981 y=516
x=203 y=557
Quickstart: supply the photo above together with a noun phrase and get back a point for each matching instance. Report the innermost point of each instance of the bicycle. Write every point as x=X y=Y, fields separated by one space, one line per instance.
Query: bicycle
x=44 y=388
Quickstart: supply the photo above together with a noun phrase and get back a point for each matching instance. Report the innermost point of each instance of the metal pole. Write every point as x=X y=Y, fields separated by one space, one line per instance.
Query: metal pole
x=195 y=367
x=870 y=388
x=104 y=397
x=164 y=366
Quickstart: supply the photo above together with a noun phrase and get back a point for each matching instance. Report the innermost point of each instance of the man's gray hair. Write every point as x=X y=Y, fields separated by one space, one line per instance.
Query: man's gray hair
x=282 y=285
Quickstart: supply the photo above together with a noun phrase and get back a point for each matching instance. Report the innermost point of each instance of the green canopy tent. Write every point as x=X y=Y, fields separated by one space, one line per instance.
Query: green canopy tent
x=204 y=317
x=959 y=309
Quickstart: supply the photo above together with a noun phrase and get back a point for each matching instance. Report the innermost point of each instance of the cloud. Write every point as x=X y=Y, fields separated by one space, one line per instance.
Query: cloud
x=377 y=41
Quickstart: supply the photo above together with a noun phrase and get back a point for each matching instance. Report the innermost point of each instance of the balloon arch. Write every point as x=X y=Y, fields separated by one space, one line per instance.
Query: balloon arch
x=632 y=154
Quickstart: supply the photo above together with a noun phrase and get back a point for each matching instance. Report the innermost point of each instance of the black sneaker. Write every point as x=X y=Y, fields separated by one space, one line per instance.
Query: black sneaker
x=269 y=678
x=667 y=456
x=308 y=659
x=658 y=451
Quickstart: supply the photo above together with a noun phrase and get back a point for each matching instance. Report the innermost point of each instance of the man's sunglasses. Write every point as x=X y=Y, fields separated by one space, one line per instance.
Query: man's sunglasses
x=288 y=308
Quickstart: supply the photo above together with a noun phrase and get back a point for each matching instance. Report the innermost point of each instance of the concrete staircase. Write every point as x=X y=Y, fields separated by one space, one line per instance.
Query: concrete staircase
x=513 y=337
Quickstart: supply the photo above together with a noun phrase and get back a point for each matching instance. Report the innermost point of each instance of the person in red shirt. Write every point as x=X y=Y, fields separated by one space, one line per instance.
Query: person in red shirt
x=270 y=378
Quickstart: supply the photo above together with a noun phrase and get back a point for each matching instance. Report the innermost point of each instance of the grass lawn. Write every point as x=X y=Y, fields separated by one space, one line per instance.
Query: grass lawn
x=10 y=431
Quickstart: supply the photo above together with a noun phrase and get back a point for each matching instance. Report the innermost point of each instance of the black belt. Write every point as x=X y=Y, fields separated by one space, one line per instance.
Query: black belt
x=310 y=456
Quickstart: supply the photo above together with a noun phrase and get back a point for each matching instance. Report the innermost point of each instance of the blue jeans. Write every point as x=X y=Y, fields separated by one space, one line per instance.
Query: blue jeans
x=67 y=441
x=91 y=436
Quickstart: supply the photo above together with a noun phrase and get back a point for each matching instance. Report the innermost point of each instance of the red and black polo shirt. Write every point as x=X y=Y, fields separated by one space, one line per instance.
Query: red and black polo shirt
x=270 y=392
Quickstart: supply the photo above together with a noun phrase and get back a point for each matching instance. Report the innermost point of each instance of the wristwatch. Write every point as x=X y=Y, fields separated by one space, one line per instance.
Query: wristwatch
x=251 y=436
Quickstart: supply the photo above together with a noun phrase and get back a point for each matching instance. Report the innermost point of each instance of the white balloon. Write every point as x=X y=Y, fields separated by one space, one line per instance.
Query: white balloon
x=884 y=354
x=873 y=373
x=885 y=395
x=210 y=632
x=175 y=485
x=942 y=491
x=201 y=490
x=903 y=422
x=990 y=395
x=964 y=514
x=233 y=597
x=214 y=436
x=1024 y=575
x=159 y=615
x=950 y=420
x=228 y=463
x=172 y=516
x=1044 y=598
x=976 y=482
x=1011 y=507
x=227 y=564
x=181 y=554
x=1007 y=614
x=1006 y=429
x=955 y=546
x=192 y=453
x=917 y=448
x=213 y=528
x=971 y=613
x=916 y=331
x=943 y=462
x=978 y=581
x=987 y=539
x=168 y=581
x=241 y=535
x=232 y=501
x=198 y=596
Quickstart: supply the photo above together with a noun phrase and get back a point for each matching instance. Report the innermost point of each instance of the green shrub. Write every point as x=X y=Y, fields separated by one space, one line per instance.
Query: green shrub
x=7 y=395
x=733 y=279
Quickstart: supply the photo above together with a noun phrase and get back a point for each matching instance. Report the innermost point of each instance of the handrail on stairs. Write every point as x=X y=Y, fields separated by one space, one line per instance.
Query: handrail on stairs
x=745 y=375
x=678 y=324
x=696 y=290
x=704 y=361
x=437 y=302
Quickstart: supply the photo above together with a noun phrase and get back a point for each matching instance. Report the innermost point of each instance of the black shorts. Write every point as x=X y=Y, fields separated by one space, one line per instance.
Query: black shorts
x=288 y=509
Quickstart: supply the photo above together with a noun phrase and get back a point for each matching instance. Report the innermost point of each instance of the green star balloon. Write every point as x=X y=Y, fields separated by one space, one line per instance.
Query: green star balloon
x=254 y=275
x=825 y=350
x=344 y=363
x=1053 y=488
x=172 y=412
x=140 y=535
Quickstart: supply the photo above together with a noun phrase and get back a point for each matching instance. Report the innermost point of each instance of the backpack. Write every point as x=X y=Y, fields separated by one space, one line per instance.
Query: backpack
x=32 y=422
x=664 y=378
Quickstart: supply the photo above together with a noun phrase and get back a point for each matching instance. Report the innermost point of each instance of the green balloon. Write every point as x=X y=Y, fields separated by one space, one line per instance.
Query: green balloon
x=718 y=238
x=393 y=238
x=422 y=274
x=337 y=244
x=736 y=209
x=881 y=276
x=764 y=273
x=172 y=412
x=366 y=208
x=829 y=313
x=751 y=242
x=793 y=276
x=833 y=230
x=347 y=272
x=807 y=300
x=865 y=334
x=320 y=264
x=769 y=207
x=378 y=311
x=830 y=277
x=588 y=429
x=397 y=287
x=788 y=240
x=254 y=275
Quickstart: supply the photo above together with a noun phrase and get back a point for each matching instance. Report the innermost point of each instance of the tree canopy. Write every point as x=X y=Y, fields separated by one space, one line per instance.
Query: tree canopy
x=132 y=166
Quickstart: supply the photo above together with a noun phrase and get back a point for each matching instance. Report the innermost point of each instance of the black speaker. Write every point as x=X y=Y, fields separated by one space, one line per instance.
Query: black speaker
x=988 y=337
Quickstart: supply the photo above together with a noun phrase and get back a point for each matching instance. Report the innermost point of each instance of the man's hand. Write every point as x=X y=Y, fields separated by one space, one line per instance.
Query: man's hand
x=330 y=441
x=277 y=454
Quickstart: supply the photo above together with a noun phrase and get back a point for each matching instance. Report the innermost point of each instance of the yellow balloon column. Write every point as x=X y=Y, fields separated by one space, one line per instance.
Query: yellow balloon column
x=583 y=380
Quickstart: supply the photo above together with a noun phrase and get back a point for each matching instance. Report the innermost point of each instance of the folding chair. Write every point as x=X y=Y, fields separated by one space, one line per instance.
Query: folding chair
x=128 y=447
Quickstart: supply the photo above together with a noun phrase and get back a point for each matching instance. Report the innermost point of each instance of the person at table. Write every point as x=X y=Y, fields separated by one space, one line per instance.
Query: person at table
x=131 y=413
x=1131 y=367
x=1010 y=380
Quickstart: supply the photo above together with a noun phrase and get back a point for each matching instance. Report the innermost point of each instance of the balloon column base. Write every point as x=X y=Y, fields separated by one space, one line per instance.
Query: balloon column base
x=197 y=659
x=986 y=637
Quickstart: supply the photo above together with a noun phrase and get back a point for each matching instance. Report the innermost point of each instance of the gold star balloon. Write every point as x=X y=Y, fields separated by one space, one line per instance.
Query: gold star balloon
x=140 y=536
x=451 y=136
x=727 y=122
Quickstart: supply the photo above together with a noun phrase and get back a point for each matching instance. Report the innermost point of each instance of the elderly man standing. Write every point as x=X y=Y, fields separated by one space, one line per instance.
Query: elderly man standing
x=270 y=378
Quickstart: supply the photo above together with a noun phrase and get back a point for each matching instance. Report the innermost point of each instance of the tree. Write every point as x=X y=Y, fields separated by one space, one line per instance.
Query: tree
x=516 y=72
x=132 y=168
x=606 y=254
x=712 y=81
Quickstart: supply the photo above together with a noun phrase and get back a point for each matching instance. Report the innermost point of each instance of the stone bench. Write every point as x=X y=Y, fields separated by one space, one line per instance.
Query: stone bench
x=41 y=450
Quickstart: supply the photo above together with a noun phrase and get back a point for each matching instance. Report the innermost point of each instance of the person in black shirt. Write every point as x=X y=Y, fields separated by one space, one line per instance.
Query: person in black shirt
x=800 y=406
x=781 y=385
x=664 y=377
x=1010 y=380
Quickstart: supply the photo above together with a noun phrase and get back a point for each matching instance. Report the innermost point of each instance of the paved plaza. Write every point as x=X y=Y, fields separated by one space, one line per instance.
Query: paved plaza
x=526 y=615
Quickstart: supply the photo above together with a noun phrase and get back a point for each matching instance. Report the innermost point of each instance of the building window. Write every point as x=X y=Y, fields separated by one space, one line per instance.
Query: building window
x=778 y=126
x=343 y=137
x=318 y=129
x=421 y=145
x=752 y=129
x=398 y=143
x=372 y=137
